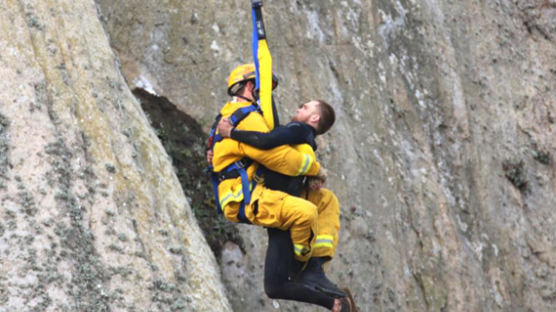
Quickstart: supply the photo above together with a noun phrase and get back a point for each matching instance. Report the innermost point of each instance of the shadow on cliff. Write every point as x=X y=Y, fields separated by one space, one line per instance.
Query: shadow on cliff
x=184 y=140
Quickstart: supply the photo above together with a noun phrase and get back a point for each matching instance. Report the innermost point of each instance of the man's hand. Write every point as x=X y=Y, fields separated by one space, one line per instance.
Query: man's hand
x=224 y=127
x=322 y=175
x=315 y=183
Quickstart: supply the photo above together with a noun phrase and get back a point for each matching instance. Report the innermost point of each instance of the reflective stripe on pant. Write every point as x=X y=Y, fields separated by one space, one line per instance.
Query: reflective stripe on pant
x=328 y=222
x=280 y=210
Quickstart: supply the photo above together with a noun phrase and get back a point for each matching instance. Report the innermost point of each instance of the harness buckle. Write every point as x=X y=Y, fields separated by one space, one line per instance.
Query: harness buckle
x=258 y=178
x=227 y=175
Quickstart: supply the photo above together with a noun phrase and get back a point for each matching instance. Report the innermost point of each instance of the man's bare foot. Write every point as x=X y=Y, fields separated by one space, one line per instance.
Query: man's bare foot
x=337 y=306
x=345 y=304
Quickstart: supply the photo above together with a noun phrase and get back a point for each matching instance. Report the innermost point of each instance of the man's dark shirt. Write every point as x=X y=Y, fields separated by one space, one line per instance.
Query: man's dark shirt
x=292 y=133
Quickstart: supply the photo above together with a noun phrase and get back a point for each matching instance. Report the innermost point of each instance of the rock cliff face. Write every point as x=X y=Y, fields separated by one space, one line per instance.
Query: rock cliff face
x=442 y=155
x=443 y=152
x=92 y=217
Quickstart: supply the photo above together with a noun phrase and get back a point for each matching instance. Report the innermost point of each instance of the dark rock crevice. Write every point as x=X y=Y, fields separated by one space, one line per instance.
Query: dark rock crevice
x=184 y=141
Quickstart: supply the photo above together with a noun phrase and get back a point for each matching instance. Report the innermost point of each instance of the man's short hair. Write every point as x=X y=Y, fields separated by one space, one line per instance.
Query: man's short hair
x=327 y=116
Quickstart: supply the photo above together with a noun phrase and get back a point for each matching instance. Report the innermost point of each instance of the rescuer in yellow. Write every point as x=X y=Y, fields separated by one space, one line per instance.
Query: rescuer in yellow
x=267 y=207
x=312 y=118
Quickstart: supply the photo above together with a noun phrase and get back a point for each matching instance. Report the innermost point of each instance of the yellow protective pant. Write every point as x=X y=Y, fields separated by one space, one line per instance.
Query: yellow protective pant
x=328 y=222
x=313 y=224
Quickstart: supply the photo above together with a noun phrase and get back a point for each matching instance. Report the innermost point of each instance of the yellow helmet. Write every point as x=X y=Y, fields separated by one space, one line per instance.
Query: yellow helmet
x=241 y=74
x=238 y=75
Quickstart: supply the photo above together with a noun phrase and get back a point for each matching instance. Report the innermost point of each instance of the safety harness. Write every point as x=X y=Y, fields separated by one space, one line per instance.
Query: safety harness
x=236 y=169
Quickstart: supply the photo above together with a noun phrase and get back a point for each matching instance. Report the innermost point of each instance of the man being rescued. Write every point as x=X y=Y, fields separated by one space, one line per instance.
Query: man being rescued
x=313 y=223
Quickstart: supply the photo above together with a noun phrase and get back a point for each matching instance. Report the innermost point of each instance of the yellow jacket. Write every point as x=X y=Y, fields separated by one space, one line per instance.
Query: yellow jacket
x=285 y=159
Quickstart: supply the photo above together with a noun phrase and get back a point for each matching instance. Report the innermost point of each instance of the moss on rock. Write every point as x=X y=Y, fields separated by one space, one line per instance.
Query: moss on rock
x=89 y=276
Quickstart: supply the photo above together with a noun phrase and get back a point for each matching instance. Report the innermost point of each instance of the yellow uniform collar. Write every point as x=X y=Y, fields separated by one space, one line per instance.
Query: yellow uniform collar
x=231 y=107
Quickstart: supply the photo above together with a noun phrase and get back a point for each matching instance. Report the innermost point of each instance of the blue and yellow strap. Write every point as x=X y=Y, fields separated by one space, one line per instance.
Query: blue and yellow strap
x=263 y=63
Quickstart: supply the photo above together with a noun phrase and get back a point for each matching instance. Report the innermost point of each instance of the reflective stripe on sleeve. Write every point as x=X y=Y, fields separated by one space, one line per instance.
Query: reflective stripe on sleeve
x=307 y=163
x=324 y=241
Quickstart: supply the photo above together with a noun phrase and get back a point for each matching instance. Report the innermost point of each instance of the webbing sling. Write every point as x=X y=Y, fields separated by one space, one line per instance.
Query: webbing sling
x=236 y=169
x=263 y=63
